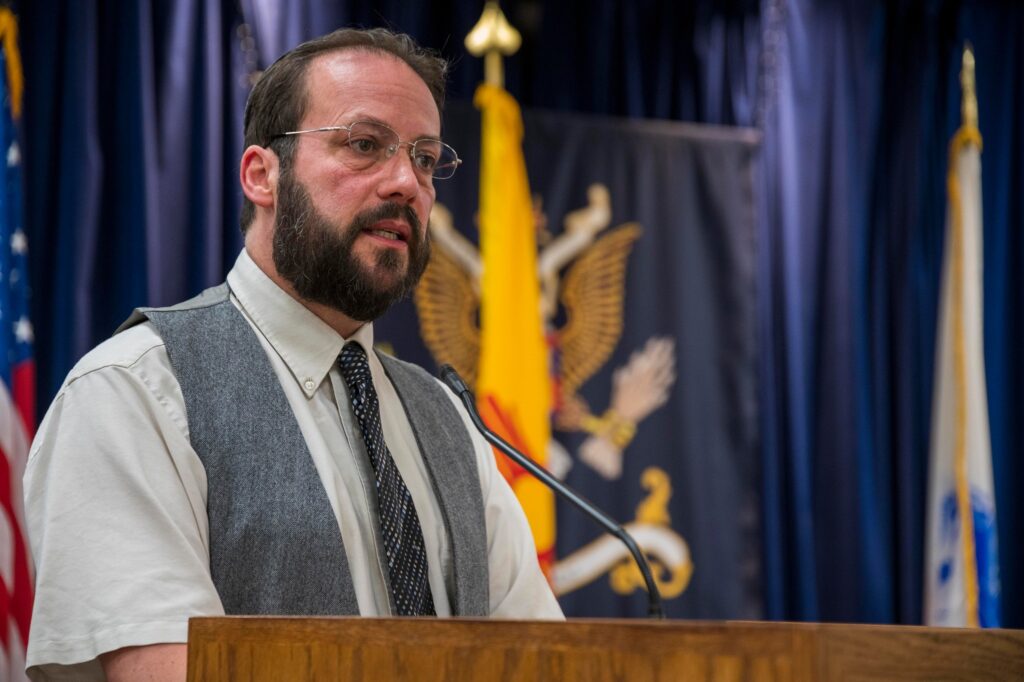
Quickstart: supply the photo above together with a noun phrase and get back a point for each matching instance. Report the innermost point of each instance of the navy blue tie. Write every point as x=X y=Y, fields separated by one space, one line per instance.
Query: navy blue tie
x=399 y=525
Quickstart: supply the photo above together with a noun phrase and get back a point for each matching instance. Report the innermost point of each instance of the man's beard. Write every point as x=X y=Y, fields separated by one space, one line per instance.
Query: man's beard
x=316 y=257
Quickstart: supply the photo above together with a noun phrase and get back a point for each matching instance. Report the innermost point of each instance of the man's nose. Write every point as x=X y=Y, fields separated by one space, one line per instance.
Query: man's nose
x=400 y=179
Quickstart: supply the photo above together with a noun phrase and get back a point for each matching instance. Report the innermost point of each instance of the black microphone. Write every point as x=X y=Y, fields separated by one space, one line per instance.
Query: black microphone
x=450 y=377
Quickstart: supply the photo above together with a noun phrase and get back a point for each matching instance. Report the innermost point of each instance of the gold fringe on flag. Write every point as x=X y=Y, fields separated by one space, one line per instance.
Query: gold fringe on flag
x=15 y=77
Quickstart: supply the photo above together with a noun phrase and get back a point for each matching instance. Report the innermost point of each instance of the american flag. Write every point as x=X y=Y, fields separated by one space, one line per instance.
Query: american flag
x=17 y=371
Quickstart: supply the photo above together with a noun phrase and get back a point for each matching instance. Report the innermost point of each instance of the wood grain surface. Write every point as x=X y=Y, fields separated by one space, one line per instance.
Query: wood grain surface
x=258 y=649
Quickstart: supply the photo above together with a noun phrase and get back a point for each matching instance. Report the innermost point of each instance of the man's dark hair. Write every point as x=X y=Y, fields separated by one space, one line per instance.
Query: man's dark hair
x=279 y=99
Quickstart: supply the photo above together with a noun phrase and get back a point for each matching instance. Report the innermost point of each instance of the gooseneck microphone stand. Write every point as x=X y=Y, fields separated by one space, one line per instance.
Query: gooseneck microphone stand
x=452 y=379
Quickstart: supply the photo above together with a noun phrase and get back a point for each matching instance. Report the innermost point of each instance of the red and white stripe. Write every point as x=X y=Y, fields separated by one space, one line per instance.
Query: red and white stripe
x=16 y=428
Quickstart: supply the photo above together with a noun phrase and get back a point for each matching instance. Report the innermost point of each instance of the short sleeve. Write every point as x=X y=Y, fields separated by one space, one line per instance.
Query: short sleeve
x=115 y=505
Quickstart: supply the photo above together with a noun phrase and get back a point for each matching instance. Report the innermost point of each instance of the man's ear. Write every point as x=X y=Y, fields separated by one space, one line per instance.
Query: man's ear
x=257 y=174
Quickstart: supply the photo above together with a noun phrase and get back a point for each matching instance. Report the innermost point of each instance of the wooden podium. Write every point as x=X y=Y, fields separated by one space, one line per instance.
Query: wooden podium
x=243 y=649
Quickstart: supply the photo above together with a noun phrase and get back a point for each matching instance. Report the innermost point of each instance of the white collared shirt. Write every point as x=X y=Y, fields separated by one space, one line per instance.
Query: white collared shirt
x=116 y=496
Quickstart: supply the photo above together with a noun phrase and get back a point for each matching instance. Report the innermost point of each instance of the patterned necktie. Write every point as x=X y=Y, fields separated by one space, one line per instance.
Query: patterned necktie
x=399 y=525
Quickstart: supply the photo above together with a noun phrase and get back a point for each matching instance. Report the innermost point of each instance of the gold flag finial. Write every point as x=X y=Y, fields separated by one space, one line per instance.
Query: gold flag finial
x=491 y=38
x=969 y=101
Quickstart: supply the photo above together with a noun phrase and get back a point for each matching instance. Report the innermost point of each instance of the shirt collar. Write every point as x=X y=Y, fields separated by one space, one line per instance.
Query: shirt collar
x=307 y=344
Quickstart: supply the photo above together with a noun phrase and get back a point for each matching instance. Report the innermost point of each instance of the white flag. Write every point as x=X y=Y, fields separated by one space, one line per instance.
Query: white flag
x=961 y=568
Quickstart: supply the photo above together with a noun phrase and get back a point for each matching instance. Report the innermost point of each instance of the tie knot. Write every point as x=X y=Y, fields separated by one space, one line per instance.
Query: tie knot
x=353 y=352
x=353 y=364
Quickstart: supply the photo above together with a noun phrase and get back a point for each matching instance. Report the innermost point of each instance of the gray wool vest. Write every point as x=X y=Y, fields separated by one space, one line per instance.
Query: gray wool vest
x=275 y=544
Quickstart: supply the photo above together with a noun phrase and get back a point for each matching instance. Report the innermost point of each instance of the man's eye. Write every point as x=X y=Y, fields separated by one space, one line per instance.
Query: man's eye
x=364 y=145
x=425 y=161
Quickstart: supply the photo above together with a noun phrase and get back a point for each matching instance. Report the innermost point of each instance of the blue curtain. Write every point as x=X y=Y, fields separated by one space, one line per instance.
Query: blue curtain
x=133 y=113
x=827 y=509
x=863 y=101
x=132 y=151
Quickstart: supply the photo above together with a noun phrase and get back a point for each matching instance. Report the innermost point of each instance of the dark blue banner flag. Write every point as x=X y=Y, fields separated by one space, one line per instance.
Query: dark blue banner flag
x=646 y=260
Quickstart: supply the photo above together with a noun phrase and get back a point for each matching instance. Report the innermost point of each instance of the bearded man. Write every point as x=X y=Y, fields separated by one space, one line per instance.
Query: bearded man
x=247 y=451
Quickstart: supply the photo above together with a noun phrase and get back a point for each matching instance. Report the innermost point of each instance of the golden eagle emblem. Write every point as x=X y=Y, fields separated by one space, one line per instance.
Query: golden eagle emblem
x=591 y=294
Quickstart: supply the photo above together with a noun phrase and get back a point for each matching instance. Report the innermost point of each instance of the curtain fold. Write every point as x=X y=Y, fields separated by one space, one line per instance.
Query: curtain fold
x=132 y=157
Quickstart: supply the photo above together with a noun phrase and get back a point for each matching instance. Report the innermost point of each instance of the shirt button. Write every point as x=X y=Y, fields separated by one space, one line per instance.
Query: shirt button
x=309 y=384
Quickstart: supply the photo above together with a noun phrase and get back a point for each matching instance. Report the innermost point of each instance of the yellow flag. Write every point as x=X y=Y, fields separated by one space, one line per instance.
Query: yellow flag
x=514 y=385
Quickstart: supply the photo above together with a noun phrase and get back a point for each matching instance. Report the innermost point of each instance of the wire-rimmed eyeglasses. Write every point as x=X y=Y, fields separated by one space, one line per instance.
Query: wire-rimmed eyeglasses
x=367 y=143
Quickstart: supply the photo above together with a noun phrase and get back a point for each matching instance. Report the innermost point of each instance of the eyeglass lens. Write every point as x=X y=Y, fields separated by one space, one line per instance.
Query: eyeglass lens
x=370 y=143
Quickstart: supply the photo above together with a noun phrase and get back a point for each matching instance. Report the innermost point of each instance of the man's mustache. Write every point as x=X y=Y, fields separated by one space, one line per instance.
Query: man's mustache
x=389 y=210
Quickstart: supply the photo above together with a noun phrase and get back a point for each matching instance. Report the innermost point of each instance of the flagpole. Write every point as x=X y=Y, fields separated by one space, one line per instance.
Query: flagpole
x=492 y=38
x=969 y=98
x=966 y=135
